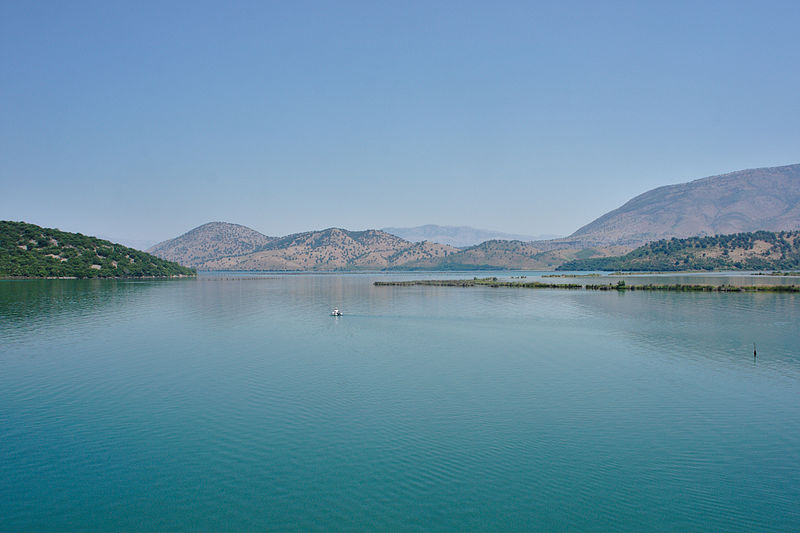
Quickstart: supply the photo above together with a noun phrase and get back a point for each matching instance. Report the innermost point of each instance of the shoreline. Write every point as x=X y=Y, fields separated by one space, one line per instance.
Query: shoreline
x=620 y=286
x=29 y=278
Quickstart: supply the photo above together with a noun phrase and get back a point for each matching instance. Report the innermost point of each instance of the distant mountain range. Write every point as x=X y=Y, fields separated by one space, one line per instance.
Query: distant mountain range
x=743 y=201
x=340 y=249
x=334 y=249
x=748 y=200
x=459 y=236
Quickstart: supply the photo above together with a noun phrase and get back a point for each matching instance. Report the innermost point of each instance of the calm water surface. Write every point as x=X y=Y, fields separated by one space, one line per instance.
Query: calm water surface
x=235 y=402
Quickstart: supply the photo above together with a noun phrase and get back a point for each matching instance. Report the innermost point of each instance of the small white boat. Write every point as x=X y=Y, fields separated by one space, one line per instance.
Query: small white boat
x=336 y=312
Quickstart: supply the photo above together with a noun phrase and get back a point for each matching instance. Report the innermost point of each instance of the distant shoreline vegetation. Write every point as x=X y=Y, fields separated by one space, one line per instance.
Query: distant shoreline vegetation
x=28 y=251
x=619 y=286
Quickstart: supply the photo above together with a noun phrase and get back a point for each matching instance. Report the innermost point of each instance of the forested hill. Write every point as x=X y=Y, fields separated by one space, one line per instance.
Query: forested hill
x=27 y=250
x=760 y=250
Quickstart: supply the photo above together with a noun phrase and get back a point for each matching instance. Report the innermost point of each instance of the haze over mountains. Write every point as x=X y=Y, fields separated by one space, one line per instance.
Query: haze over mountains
x=459 y=236
x=748 y=200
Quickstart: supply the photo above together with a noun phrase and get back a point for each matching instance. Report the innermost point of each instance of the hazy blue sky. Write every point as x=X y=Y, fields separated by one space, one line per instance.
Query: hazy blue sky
x=141 y=120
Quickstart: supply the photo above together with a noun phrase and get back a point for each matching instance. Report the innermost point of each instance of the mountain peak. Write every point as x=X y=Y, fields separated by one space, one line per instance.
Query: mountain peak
x=741 y=201
x=208 y=241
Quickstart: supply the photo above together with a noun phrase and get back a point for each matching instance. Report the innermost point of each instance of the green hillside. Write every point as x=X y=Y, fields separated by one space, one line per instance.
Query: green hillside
x=27 y=250
x=760 y=250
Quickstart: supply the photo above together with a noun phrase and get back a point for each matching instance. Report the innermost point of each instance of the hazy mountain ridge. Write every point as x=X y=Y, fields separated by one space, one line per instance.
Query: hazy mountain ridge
x=767 y=198
x=210 y=241
x=340 y=249
x=458 y=236
x=760 y=250
x=742 y=201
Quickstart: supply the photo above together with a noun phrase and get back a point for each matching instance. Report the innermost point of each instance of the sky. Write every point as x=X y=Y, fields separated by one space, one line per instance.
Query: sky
x=138 y=121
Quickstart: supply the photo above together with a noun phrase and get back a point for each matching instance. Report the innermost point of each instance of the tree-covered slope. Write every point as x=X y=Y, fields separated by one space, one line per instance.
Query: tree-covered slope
x=760 y=250
x=27 y=250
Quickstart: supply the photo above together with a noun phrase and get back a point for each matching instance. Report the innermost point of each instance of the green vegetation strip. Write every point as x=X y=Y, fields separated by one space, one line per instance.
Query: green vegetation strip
x=758 y=250
x=619 y=286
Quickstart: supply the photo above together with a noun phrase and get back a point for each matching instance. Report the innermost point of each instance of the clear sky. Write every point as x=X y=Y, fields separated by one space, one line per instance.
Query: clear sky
x=140 y=120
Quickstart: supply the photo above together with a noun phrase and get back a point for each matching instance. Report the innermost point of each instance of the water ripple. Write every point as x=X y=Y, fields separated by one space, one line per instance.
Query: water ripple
x=239 y=404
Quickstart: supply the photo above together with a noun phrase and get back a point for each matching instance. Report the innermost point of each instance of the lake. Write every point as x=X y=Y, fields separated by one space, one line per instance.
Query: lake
x=236 y=402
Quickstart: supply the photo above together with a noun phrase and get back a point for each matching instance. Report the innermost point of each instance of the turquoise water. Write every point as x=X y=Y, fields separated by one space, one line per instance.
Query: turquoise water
x=235 y=402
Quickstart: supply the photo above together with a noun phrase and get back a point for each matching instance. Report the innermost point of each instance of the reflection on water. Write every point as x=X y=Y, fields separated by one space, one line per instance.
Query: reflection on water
x=236 y=402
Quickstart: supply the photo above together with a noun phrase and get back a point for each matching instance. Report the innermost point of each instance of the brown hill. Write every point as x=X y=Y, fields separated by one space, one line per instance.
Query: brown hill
x=333 y=249
x=210 y=241
x=743 y=201
x=422 y=255
x=518 y=255
x=221 y=246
